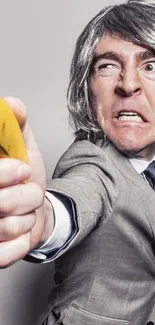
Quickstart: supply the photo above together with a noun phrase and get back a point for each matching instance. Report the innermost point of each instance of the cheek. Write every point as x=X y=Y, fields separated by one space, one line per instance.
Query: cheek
x=149 y=91
x=101 y=97
x=151 y=100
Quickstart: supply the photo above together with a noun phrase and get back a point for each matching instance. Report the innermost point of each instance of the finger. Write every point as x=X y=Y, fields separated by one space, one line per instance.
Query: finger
x=13 y=227
x=20 y=199
x=14 y=250
x=13 y=171
x=18 y=108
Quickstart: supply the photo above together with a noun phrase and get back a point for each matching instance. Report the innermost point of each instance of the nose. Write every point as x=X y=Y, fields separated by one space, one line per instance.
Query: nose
x=129 y=83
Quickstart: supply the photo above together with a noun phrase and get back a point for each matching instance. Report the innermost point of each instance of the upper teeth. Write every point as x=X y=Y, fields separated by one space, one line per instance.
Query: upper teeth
x=129 y=116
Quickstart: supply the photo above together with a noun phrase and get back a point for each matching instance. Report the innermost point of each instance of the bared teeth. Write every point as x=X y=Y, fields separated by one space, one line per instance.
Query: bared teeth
x=129 y=116
x=135 y=118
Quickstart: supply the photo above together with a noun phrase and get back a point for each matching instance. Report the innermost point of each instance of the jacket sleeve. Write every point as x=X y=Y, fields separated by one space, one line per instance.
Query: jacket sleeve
x=82 y=176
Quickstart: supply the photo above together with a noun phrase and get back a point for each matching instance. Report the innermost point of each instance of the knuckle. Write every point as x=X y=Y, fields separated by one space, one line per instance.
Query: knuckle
x=37 y=194
x=14 y=250
x=14 y=229
x=6 y=201
x=5 y=258
x=10 y=229
x=8 y=168
x=5 y=262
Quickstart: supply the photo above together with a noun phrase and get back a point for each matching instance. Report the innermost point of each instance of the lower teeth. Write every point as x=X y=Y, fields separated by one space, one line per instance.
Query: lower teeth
x=130 y=118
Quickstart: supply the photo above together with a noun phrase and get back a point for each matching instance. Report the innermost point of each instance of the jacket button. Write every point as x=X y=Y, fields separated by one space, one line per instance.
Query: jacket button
x=150 y=323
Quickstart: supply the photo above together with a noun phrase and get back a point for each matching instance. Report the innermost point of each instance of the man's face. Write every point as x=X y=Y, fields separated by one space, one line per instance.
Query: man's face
x=122 y=93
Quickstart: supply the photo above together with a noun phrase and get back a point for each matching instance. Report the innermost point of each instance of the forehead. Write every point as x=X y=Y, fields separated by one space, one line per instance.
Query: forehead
x=112 y=43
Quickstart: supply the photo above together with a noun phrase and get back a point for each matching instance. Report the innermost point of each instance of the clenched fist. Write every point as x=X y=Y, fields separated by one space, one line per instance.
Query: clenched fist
x=25 y=215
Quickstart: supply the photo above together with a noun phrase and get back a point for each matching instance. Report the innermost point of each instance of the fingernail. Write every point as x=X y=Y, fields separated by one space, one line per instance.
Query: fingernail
x=23 y=172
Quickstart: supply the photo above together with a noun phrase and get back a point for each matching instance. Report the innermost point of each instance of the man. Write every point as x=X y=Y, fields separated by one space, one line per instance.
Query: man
x=101 y=197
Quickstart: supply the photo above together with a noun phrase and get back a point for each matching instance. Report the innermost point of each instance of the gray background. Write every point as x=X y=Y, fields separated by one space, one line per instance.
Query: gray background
x=37 y=42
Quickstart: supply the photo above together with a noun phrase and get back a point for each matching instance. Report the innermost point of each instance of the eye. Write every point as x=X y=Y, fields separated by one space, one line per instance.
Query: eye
x=106 y=69
x=106 y=66
x=150 y=66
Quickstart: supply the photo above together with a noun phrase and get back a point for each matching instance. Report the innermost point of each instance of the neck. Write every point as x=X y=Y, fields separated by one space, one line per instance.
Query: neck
x=145 y=154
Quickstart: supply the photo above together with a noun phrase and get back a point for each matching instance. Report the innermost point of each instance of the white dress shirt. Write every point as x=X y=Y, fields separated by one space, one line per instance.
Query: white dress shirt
x=64 y=213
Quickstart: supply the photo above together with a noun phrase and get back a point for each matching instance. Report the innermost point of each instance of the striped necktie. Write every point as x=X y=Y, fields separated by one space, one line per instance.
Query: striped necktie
x=149 y=174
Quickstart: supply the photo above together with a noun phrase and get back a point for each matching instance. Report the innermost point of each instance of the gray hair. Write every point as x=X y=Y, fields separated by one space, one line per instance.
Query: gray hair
x=133 y=21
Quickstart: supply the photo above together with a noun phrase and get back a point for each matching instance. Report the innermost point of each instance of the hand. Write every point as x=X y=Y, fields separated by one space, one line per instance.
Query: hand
x=24 y=212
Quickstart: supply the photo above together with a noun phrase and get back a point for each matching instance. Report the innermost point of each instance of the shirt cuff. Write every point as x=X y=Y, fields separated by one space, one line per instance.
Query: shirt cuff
x=63 y=211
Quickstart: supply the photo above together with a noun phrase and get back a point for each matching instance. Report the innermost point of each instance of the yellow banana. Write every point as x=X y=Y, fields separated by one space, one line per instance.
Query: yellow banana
x=11 y=139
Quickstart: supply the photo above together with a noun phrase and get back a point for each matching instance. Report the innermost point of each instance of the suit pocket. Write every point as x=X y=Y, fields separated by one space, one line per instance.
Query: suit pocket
x=78 y=316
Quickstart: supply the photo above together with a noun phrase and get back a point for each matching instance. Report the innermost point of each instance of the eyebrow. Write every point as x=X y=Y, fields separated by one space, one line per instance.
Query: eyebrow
x=115 y=56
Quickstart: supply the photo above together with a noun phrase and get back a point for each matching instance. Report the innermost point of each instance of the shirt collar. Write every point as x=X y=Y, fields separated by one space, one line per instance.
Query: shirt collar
x=139 y=164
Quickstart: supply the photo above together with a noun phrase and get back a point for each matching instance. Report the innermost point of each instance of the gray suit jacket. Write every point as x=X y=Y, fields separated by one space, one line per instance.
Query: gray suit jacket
x=105 y=275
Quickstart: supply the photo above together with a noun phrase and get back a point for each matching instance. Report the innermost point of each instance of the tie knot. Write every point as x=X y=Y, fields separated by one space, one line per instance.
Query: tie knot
x=149 y=173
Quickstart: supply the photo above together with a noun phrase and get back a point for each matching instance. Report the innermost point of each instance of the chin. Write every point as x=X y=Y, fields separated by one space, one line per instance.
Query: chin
x=132 y=149
x=126 y=144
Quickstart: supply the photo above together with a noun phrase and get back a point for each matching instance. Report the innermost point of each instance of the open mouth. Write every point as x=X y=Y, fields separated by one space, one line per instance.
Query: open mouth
x=129 y=116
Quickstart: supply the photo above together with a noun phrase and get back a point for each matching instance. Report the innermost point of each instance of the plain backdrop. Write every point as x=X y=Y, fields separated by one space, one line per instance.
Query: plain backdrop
x=37 y=39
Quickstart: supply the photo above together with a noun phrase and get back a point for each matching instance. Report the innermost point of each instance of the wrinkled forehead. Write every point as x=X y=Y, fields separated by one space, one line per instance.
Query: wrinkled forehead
x=113 y=42
x=116 y=44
